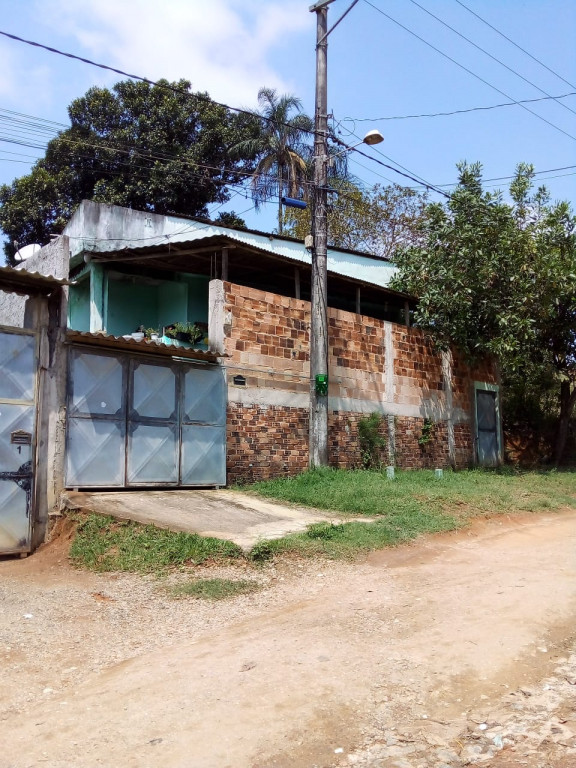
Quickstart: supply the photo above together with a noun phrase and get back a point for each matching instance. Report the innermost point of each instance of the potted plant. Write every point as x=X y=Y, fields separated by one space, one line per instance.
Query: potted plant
x=188 y=332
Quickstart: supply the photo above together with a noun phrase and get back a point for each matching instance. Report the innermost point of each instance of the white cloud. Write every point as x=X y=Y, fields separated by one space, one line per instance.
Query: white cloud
x=222 y=46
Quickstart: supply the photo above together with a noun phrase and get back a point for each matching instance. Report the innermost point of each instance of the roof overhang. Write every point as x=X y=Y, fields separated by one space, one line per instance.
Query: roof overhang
x=28 y=283
x=146 y=346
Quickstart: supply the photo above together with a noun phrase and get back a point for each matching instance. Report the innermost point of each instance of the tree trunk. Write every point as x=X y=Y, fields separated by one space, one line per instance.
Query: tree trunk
x=567 y=400
x=280 y=190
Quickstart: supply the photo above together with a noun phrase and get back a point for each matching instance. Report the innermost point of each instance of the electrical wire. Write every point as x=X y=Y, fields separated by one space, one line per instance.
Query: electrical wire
x=486 y=53
x=538 y=61
x=165 y=86
x=455 y=111
x=469 y=71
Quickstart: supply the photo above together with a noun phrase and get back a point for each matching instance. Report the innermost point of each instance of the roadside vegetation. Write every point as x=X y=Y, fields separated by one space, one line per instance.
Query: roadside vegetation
x=371 y=512
x=106 y=544
x=214 y=589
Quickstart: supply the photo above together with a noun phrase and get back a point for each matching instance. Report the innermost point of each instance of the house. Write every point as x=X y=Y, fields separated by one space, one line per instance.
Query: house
x=233 y=407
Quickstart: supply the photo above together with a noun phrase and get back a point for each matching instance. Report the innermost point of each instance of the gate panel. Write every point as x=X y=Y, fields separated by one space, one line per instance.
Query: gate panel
x=203 y=457
x=153 y=454
x=17 y=428
x=95 y=453
x=96 y=439
x=153 y=435
x=136 y=422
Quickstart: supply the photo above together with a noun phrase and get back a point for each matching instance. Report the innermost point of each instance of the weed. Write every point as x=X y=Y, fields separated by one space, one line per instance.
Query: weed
x=107 y=544
x=214 y=589
x=371 y=441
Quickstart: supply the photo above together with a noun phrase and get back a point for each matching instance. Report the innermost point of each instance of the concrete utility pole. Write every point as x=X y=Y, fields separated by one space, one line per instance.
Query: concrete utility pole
x=318 y=439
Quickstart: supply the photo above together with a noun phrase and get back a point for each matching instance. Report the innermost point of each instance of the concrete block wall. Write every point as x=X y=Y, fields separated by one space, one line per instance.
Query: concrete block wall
x=52 y=259
x=374 y=365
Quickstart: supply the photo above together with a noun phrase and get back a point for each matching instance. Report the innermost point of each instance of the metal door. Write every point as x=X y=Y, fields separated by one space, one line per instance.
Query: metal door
x=487 y=428
x=18 y=365
x=96 y=435
x=153 y=432
x=203 y=457
x=136 y=422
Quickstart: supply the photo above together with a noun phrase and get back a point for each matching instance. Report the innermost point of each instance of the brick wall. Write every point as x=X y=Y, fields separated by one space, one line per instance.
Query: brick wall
x=374 y=365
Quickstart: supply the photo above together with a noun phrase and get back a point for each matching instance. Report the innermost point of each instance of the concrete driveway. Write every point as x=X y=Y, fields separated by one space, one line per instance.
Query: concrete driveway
x=232 y=515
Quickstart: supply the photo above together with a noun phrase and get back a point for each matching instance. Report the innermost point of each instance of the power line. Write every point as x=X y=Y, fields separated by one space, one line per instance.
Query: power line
x=506 y=178
x=469 y=71
x=456 y=111
x=486 y=53
x=165 y=86
x=515 y=44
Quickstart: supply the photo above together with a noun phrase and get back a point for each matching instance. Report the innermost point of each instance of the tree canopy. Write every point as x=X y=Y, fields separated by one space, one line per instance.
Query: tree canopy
x=158 y=147
x=498 y=278
x=378 y=220
x=281 y=150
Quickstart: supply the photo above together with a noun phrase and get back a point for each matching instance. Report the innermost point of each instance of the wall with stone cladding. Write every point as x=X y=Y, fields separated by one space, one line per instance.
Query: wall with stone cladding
x=265 y=441
x=374 y=366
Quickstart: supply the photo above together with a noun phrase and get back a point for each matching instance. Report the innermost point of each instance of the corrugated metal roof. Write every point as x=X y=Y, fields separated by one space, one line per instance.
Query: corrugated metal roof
x=93 y=229
x=26 y=283
x=145 y=345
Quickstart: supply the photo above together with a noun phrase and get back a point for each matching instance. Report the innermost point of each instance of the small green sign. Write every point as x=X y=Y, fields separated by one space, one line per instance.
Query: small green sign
x=322 y=384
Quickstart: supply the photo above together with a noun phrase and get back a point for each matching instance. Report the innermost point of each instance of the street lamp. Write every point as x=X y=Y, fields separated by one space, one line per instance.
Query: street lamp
x=318 y=428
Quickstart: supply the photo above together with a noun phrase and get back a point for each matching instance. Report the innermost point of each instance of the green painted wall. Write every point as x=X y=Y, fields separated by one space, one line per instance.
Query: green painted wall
x=79 y=306
x=134 y=301
x=197 y=297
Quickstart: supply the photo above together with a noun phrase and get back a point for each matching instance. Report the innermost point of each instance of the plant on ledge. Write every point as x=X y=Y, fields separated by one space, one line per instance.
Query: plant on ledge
x=188 y=332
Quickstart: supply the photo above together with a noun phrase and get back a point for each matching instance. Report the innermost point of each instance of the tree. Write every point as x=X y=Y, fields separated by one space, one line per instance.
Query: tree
x=280 y=151
x=159 y=148
x=379 y=220
x=499 y=279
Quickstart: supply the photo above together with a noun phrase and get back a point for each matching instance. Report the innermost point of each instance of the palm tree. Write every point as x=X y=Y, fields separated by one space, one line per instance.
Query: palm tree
x=280 y=150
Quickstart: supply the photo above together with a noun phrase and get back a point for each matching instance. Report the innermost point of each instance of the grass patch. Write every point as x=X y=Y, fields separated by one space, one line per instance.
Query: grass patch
x=107 y=544
x=460 y=494
x=413 y=503
x=346 y=540
x=214 y=589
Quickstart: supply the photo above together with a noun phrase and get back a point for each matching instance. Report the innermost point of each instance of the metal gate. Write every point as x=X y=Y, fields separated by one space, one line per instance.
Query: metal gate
x=18 y=365
x=487 y=428
x=135 y=422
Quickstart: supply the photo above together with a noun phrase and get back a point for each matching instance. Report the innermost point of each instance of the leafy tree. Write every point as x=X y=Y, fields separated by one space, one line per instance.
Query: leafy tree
x=499 y=279
x=230 y=219
x=280 y=151
x=379 y=220
x=158 y=147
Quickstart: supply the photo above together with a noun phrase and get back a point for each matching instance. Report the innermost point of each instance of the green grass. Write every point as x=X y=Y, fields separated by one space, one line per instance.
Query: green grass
x=411 y=504
x=214 y=589
x=106 y=544
x=461 y=494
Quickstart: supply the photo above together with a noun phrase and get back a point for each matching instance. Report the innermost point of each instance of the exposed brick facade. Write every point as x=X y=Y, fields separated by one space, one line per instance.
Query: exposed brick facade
x=374 y=365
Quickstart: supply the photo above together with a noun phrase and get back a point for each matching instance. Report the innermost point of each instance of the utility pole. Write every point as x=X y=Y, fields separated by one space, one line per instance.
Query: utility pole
x=318 y=435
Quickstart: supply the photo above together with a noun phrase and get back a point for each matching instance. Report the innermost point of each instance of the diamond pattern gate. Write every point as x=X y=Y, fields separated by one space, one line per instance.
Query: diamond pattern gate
x=136 y=422
x=18 y=365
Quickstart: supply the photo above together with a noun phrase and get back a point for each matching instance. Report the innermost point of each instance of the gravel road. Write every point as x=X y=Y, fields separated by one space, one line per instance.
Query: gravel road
x=455 y=650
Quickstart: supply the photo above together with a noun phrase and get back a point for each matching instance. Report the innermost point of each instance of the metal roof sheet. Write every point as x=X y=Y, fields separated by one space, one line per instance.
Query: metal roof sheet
x=26 y=283
x=102 y=339
x=111 y=229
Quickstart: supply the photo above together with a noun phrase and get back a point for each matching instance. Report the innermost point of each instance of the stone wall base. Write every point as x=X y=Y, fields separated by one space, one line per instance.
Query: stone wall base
x=264 y=442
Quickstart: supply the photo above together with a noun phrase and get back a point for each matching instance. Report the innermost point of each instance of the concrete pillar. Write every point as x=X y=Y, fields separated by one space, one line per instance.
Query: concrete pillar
x=449 y=399
x=97 y=297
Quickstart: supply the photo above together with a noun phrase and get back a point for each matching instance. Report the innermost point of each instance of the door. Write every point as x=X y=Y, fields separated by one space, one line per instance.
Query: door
x=18 y=366
x=487 y=428
x=136 y=421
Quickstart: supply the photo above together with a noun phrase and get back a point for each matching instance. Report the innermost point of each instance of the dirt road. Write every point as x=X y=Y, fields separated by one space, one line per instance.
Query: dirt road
x=456 y=650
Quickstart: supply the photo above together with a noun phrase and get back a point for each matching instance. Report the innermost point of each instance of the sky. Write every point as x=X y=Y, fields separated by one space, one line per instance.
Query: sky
x=381 y=66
